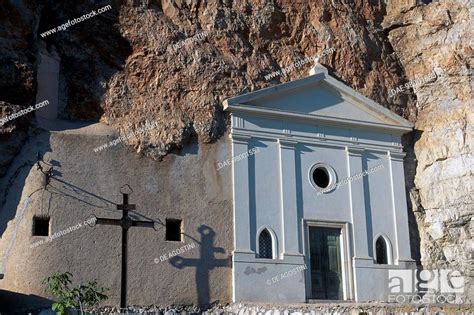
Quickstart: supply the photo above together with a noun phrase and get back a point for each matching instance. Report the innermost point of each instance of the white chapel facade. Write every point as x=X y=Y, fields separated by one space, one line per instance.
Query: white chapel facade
x=324 y=194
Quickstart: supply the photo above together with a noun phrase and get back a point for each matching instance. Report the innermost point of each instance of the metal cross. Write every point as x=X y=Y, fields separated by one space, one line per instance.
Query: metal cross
x=125 y=222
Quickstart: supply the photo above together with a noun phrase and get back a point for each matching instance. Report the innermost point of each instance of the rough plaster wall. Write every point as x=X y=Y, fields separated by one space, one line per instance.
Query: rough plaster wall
x=438 y=37
x=186 y=186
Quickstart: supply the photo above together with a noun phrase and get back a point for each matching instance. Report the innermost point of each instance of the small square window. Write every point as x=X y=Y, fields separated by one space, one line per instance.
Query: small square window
x=40 y=226
x=173 y=230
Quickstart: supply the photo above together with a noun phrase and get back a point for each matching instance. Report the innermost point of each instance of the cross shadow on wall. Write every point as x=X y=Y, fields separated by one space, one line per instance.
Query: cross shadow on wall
x=204 y=264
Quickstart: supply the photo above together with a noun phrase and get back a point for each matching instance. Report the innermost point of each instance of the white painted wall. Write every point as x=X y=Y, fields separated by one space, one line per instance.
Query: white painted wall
x=273 y=188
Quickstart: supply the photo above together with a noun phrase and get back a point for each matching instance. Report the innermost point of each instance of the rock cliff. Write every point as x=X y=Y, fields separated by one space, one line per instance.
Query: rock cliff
x=436 y=39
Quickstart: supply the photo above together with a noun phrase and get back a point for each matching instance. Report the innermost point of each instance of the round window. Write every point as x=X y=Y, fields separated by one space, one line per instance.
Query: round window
x=322 y=176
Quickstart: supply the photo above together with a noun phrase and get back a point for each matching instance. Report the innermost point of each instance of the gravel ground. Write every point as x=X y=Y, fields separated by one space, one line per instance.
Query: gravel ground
x=296 y=309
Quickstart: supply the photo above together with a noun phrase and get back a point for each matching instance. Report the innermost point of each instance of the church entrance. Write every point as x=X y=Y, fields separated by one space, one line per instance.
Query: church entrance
x=325 y=262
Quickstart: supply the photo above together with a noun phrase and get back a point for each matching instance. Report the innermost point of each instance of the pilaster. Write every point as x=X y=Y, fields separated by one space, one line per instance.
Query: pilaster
x=357 y=204
x=399 y=208
x=289 y=213
x=241 y=195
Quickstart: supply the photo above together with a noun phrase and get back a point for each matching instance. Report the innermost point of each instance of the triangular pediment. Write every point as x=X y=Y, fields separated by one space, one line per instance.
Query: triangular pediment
x=318 y=97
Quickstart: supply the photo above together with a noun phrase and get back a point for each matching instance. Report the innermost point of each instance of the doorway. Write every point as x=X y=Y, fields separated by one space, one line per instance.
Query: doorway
x=326 y=263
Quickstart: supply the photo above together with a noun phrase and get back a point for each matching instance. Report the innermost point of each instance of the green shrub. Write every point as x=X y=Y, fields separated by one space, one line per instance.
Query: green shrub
x=87 y=295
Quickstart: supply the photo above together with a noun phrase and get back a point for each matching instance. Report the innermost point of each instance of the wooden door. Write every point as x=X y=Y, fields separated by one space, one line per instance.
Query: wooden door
x=325 y=261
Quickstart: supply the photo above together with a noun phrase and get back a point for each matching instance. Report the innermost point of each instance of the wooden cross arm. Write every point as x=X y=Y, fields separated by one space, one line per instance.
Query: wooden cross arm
x=220 y=262
x=126 y=207
x=106 y=221
x=149 y=224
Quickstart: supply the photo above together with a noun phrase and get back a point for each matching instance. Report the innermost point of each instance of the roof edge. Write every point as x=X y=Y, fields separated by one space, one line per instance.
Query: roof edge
x=353 y=123
x=317 y=77
x=279 y=88
x=372 y=105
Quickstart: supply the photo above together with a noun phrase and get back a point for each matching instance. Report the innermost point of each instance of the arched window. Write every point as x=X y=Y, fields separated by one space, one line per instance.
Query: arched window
x=265 y=246
x=381 y=252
